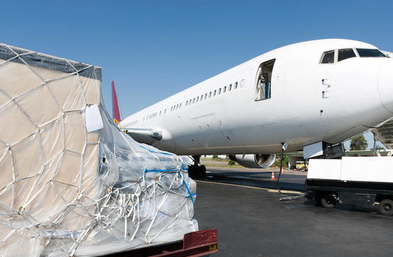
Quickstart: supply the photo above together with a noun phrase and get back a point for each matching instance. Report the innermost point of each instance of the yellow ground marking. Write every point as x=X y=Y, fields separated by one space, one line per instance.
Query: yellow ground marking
x=250 y=187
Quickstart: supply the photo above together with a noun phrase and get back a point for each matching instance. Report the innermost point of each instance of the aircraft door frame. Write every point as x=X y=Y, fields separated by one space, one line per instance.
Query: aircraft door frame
x=263 y=80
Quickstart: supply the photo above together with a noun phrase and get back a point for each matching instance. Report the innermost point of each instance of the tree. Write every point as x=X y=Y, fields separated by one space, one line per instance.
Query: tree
x=358 y=143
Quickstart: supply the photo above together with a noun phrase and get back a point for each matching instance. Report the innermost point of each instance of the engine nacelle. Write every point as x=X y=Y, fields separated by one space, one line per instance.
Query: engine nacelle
x=254 y=160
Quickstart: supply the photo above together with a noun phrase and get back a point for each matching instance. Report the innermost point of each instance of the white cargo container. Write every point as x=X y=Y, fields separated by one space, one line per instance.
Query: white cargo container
x=352 y=180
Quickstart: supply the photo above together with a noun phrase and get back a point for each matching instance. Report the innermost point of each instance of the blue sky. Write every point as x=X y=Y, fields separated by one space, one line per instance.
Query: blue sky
x=153 y=49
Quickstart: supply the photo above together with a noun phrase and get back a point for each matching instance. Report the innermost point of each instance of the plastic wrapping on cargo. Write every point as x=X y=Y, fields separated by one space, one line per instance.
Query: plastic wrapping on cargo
x=72 y=183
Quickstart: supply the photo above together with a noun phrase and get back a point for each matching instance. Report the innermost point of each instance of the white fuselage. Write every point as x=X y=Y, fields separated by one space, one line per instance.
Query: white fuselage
x=309 y=102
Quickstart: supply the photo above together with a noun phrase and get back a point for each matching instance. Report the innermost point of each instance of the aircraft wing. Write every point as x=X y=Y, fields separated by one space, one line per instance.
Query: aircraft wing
x=144 y=135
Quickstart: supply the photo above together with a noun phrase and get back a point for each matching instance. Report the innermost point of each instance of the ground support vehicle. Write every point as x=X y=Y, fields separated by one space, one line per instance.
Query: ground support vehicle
x=352 y=180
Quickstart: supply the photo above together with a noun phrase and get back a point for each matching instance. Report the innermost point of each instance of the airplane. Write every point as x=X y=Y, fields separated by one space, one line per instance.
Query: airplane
x=308 y=96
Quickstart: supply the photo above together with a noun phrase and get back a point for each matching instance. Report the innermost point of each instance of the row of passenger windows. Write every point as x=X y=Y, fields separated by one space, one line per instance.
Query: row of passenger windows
x=212 y=93
x=346 y=53
x=195 y=100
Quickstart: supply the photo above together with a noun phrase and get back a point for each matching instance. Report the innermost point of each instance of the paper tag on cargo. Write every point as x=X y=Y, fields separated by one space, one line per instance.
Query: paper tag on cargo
x=93 y=119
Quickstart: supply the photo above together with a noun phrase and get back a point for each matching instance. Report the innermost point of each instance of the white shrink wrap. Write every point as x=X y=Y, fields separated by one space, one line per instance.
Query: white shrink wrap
x=71 y=182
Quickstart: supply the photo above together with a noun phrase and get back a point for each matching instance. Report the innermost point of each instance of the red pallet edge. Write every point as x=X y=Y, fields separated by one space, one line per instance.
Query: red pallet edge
x=194 y=244
x=198 y=238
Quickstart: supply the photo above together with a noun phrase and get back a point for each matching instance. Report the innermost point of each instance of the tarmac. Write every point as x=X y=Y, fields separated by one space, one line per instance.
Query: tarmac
x=243 y=204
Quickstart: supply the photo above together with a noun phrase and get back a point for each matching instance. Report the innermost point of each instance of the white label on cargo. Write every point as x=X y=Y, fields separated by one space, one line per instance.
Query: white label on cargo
x=93 y=119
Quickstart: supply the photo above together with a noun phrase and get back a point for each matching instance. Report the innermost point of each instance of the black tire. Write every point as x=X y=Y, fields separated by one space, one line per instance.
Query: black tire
x=191 y=171
x=328 y=201
x=386 y=207
x=197 y=171
x=202 y=170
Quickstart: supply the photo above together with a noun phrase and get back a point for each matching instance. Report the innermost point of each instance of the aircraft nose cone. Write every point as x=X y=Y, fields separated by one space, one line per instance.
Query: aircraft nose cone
x=385 y=86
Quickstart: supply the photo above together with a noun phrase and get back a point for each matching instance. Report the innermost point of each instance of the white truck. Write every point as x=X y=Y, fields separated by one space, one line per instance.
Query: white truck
x=352 y=180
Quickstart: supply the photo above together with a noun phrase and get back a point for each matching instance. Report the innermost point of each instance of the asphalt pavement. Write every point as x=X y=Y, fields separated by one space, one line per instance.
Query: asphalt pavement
x=251 y=220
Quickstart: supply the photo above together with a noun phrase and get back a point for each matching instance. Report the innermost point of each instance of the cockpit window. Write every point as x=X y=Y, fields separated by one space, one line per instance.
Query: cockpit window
x=328 y=57
x=345 y=54
x=364 y=52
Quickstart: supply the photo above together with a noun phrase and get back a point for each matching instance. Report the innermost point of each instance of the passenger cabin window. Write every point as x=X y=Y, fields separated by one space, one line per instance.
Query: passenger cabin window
x=345 y=54
x=363 y=52
x=264 y=80
x=328 y=57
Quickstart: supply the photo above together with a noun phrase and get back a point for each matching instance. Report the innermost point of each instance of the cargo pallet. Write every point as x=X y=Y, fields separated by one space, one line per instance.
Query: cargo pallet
x=194 y=244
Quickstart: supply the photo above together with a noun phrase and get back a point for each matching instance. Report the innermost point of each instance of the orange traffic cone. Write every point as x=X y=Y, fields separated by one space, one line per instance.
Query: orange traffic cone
x=273 y=178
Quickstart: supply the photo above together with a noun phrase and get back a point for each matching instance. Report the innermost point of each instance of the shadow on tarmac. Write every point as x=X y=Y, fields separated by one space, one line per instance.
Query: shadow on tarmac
x=293 y=182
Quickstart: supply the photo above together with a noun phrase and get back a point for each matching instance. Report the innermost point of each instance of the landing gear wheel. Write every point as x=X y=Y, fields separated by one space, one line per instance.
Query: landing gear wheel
x=202 y=170
x=197 y=171
x=191 y=171
x=386 y=207
x=328 y=201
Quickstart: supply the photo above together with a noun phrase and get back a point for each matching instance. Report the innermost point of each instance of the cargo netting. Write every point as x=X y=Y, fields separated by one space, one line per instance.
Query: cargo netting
x=72 y=183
